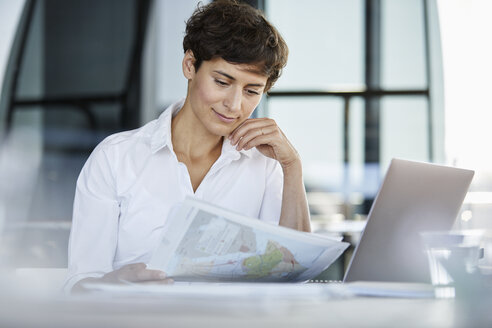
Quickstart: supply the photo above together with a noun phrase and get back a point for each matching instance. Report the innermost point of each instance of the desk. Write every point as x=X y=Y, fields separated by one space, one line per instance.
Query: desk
x=192 y=311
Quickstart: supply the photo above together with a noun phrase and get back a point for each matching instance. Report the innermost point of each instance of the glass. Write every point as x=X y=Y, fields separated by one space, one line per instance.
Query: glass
x=485 y=262
x=402 y=117
x=456 y=250
x=314 y=126
x=325 y=39
x=402 y=45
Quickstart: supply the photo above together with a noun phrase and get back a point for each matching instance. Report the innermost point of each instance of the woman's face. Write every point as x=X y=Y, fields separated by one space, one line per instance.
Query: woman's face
x=223 y=95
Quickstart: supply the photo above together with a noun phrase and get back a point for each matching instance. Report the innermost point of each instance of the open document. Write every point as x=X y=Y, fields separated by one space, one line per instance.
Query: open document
x=203 y=242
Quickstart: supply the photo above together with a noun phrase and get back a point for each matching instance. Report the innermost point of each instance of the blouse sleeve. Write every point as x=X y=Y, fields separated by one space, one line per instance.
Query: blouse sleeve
x=93 y=236
x=272 y=198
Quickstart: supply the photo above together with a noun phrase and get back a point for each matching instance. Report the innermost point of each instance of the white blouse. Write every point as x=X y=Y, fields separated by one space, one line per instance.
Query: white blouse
x=132 y=180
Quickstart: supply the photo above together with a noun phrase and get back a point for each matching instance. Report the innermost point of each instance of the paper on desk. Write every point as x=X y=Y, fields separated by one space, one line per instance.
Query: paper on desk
x=203 y=242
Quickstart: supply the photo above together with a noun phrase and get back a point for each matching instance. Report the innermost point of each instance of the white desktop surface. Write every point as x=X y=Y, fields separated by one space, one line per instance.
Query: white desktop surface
x=242 y=310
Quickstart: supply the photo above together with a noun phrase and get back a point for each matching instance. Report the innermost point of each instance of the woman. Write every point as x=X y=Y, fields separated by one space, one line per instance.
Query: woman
x=205 y=146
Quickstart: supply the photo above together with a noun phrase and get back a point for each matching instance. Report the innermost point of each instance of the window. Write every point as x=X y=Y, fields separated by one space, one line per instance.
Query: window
x=357 y=89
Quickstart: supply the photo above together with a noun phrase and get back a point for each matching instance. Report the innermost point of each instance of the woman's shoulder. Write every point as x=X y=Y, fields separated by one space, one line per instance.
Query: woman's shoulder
x=126 y=140
x=124 y=137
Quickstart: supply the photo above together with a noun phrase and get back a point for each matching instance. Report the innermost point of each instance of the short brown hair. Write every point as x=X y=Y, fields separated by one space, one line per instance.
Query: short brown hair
x=239 y=34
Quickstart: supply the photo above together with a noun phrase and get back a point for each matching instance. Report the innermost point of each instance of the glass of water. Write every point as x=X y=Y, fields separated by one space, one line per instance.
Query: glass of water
x=454 y=248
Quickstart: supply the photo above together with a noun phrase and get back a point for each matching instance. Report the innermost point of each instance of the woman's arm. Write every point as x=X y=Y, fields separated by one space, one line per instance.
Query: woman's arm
x=295 y=210
x=266 y=136
x=94 y=233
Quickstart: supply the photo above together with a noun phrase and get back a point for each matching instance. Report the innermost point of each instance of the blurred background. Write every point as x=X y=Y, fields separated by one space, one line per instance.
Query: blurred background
x=366 y=81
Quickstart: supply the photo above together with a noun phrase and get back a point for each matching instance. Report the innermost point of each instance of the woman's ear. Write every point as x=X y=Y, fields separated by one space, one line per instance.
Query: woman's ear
x=189 y=65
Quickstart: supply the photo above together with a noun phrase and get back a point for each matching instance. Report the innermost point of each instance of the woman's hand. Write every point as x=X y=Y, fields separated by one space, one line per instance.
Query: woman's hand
x=266 y=136
x=136 y=272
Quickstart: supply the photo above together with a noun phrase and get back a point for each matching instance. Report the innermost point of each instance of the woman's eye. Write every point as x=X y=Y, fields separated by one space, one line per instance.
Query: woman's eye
x=252 y=92
x=219 y=82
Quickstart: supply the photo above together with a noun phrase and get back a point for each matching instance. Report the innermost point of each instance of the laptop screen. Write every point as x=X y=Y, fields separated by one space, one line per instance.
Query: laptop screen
x=413 y=197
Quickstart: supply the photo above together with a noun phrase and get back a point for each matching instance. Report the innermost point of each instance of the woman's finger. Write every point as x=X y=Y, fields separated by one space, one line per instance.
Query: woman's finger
x=266 y=139
x=134 y=266
x=145 y=275
x=255 y=133
x=137 y=272
x=247 y=125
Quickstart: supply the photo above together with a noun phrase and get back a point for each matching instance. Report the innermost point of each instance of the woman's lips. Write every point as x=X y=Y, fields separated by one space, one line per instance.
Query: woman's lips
x=224 y=118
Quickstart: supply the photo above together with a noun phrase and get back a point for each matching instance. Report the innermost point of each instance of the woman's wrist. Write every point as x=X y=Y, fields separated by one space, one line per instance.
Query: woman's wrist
x=292 y=167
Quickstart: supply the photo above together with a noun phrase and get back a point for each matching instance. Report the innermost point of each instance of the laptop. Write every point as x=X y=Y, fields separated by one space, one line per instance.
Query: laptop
x=413 y=197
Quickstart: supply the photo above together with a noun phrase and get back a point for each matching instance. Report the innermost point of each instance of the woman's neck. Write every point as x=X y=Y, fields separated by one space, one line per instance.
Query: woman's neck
x=190 y=138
